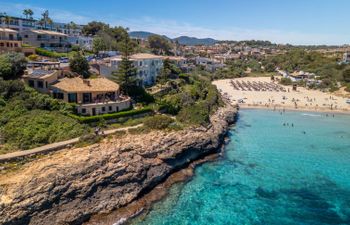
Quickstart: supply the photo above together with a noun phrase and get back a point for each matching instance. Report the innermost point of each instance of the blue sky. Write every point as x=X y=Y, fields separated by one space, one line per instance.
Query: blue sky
x=280 y=21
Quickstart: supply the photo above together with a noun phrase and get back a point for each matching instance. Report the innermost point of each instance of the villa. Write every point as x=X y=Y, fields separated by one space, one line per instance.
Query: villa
x=148 y=67
x=92 y=96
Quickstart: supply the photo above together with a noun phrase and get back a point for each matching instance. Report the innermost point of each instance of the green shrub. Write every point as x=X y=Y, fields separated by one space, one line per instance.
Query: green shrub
x=51 y=54
x=33 y=57
x=97 y=118
x=286 y=81
x=158 y=122
x=38 y=127
x=12 y=65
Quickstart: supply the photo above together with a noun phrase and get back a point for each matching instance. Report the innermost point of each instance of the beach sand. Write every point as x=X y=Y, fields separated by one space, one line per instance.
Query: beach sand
x=302 y=99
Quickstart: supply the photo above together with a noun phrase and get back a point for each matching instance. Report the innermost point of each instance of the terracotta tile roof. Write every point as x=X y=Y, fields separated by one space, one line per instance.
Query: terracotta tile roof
x=138 y=56
x=78 y=84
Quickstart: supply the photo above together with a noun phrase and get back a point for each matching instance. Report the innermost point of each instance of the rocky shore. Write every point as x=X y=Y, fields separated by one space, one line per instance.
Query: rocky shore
x=70 y=186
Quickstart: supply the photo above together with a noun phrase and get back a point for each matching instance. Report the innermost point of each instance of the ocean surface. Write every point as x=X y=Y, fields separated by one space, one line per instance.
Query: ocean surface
x=269 y=174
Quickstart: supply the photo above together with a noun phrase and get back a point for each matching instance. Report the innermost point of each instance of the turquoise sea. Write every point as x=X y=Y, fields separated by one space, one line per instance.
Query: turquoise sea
x=269 y=174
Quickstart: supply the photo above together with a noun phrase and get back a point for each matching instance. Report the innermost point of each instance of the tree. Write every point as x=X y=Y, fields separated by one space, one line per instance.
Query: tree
x=346 y=75
x=165 y=72
x=28 y=13
x=94 y=27
x=125 y=76
x=12 y=65
x=45 y=18
x=80 y=65
x=99 y=44
x=159 y=45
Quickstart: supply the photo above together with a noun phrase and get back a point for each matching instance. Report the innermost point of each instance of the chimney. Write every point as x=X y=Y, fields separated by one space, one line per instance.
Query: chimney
x=87 y=82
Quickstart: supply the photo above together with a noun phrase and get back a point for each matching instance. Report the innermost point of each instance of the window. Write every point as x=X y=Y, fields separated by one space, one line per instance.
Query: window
x=26 y=36
x=31 y=83
x=1 y=44
x=58 y=95
x=140 y=63
x=72 y=97
x=40 y=84
x=83 y=111
x=110 y=108
x=103 y=109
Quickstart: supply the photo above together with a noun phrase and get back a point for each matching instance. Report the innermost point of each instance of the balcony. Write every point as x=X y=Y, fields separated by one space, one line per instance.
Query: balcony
x=10 y=39
x=105 y=101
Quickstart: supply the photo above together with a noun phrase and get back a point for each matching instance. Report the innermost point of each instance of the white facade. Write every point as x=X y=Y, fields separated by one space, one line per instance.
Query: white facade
x=148 y=67
x=346 y=57
x=81 y=41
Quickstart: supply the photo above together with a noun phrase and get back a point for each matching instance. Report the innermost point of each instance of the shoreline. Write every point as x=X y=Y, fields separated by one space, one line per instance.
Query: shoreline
x=141 y=206
x=261 y=92
x=326 y=111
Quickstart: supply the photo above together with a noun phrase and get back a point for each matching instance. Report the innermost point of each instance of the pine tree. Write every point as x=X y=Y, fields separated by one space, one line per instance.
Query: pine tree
x=125 y=76
x=165 y=72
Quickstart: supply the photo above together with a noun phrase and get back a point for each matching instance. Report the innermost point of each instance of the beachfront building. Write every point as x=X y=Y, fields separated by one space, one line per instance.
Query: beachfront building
x=51 y=40
x=92 y=96
x=148 y=67
x=9 y=41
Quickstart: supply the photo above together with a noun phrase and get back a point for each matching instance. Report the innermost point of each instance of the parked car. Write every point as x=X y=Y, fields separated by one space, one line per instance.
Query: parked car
x=348 y=101
x=63 y=60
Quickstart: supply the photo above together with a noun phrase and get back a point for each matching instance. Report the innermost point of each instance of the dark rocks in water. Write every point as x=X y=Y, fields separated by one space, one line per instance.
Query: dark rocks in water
x=70 y=186
x=261 y=192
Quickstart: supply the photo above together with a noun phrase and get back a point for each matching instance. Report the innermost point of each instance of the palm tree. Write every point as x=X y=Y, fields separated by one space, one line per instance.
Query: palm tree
x=45 y=18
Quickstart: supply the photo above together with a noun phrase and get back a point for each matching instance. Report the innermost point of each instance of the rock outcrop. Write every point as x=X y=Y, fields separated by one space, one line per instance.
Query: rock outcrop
x=71 y=185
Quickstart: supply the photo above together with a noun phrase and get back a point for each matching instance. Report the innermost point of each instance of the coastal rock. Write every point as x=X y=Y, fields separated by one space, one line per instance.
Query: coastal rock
x=69 y=186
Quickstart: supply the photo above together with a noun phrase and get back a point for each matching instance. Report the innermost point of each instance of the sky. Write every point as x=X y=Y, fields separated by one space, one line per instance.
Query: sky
x=304 y=22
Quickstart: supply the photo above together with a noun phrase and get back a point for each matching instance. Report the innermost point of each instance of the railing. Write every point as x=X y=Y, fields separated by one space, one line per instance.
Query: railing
x=9 y=39
x=106 y=101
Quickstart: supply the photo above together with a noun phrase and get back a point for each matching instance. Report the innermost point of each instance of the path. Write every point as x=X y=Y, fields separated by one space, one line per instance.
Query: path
x=54 y=146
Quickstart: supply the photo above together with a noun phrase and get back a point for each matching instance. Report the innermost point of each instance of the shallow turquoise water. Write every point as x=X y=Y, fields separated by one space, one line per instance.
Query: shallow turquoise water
x=269 y=174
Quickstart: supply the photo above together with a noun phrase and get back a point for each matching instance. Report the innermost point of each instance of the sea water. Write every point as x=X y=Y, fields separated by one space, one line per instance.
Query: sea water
x=289 y=168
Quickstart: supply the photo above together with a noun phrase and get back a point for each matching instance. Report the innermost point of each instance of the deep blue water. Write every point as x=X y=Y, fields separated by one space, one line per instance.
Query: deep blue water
x=269 y=174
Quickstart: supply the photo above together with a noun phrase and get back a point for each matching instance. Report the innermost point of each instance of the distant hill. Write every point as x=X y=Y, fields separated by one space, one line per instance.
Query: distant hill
x=144 y=34
x=184 y=40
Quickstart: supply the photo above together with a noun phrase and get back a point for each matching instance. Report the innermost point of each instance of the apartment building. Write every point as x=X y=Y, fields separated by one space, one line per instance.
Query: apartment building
x=148 y=67
x=9 y=41
x=46 y=39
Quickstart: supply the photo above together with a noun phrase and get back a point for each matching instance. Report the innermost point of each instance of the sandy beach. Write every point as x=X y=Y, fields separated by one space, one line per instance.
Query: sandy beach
x=261 y=92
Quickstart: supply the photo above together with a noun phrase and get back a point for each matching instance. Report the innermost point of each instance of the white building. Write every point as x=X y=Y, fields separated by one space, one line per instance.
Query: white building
x=81 y=41
x=346 y=57
x=148 y=67
x=209 y=64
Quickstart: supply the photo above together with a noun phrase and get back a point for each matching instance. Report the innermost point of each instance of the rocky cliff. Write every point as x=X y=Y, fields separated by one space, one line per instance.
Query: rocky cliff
x=71 y=185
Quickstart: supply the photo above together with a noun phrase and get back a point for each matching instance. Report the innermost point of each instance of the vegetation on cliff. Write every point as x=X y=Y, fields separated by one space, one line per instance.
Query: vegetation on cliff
x=29 y=119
